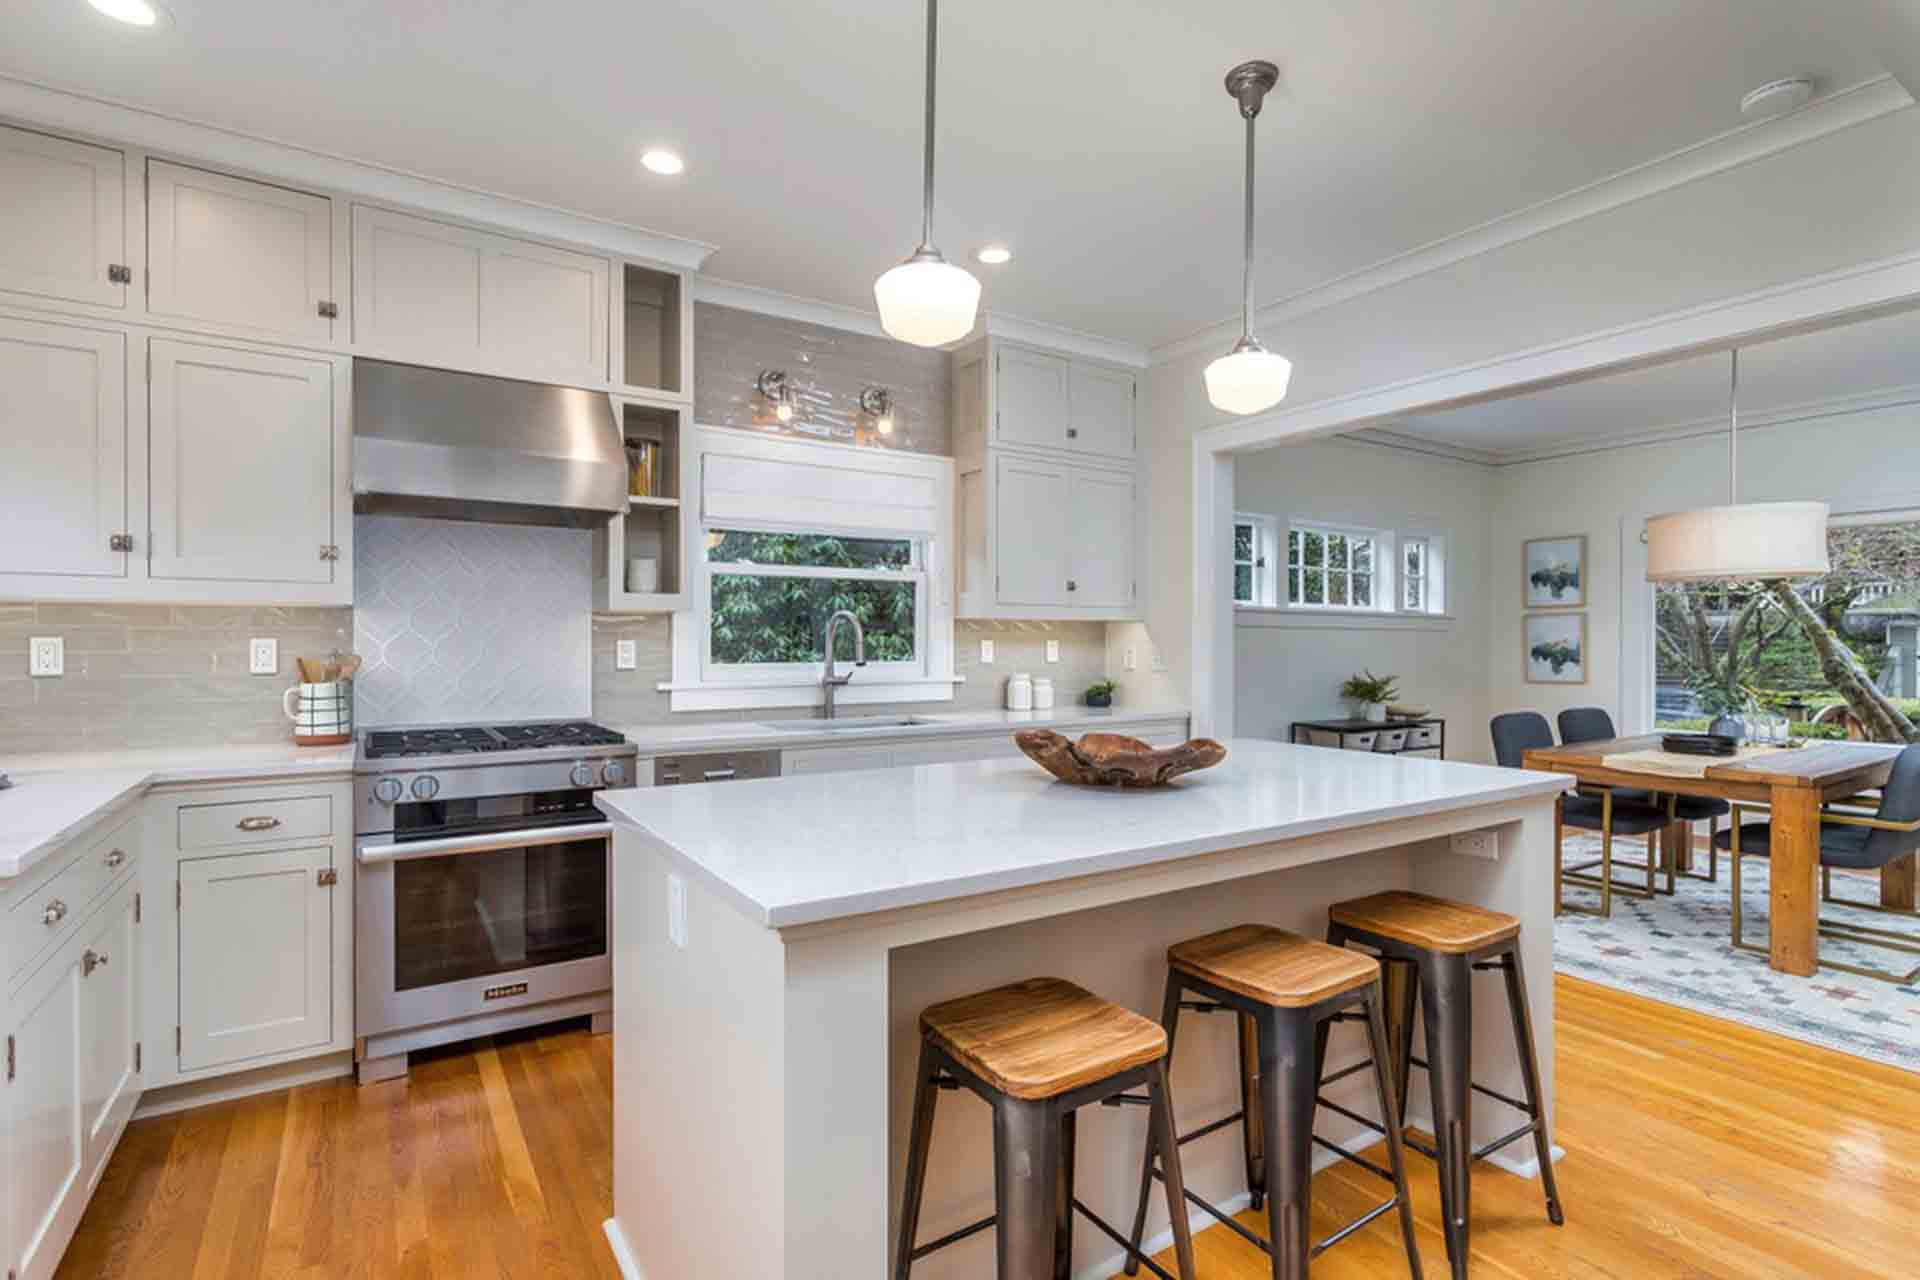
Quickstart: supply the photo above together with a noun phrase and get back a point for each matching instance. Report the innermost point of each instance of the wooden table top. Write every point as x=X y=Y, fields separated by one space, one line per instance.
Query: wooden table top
x=1818 y=765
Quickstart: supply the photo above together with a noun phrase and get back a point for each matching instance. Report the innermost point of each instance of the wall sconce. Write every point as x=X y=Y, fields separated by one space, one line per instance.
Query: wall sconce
x=877 y=403
x=778 y=390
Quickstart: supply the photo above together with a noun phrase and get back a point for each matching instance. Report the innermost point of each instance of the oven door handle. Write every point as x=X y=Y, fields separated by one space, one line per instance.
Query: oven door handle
x=374 y=852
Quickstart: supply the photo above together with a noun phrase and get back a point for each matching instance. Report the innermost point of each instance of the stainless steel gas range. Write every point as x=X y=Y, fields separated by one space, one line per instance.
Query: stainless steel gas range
x=482 y=899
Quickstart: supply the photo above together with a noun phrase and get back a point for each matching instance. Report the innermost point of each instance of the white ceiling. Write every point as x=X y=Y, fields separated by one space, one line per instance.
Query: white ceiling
x=1091 y=135
x=1790 y=373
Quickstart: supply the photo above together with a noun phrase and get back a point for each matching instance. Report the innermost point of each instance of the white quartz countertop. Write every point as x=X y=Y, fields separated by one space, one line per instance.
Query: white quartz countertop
x=55 y=797
x=657 y=739
x=800 y=850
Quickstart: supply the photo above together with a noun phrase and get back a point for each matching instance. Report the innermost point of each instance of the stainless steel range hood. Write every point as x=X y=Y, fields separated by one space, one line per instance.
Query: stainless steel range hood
x=461 y=446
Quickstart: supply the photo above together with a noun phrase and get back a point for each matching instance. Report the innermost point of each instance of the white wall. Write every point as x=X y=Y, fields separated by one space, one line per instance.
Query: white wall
x=1289 y=667
x=1842 y=200
x=1866 y=461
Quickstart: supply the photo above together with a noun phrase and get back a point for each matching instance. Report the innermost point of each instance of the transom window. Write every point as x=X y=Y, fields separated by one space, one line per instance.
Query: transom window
x=1254 y=572
x=770 y=593
x=1414 y=582
x=1332 y=568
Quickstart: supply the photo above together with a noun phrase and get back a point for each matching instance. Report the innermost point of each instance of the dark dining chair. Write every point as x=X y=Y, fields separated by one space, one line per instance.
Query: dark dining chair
x=1591 y=809
x=1592 y=724
x=1849 y=841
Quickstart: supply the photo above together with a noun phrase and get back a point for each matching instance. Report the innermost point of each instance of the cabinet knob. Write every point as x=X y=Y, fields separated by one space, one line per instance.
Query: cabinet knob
x=91 y=960
x=1072 y=585
x=120 y=542
x=119 y=273
x=330 y=552
x=330 y=310
x=115 y=858
x=327 y=877
x=56 y=912
x=1073 y=433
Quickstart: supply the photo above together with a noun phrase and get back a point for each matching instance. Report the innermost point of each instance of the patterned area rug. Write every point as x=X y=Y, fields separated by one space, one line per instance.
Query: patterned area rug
x=1679 y=950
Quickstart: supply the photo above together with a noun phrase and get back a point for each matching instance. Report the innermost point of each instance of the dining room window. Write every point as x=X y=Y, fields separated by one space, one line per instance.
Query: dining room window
x=1333 y=568
x=1255 y=572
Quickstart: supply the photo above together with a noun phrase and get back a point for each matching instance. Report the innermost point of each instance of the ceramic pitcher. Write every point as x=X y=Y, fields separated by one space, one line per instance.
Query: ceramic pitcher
x=322 y=714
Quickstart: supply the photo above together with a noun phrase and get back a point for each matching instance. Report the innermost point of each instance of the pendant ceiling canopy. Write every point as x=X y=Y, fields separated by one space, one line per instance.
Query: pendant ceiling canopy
x=1741 y=541
x=926 y=300
x=1249 y=378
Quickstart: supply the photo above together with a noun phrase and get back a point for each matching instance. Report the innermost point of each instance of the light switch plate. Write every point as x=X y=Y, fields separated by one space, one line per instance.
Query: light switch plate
x=1053 y=651
x=986 y=652
x=677 y=910
x=625 y=655
x=46 y=656
x=1129 y=658
x=263 y=656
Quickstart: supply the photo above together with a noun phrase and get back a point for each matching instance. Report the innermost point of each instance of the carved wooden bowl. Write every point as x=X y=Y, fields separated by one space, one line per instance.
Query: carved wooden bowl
x=1115 y=760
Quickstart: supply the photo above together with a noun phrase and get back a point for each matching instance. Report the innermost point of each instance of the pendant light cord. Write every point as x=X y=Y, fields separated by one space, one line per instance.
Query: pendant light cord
x=1246 y=257
x=1733 y=431
x=926 y=210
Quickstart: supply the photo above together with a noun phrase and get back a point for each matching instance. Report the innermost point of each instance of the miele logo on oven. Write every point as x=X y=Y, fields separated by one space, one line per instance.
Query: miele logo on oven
x=511 y=989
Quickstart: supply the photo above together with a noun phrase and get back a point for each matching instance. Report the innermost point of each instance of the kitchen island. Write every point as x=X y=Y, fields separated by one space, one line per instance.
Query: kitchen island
x=775 y=941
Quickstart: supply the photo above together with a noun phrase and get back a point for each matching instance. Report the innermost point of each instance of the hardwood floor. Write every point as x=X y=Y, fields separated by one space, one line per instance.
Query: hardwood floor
x=1695 y=1148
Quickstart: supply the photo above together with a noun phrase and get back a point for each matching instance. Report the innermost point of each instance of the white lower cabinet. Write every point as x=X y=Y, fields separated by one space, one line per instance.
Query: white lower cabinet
x=256 y=955
x=110 y=1053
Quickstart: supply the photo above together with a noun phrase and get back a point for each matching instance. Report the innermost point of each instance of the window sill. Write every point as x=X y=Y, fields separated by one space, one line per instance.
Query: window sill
x=774 y=694
x=1278 y=617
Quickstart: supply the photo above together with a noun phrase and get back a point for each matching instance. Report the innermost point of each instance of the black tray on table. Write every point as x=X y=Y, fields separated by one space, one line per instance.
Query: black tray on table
x=1700 y=744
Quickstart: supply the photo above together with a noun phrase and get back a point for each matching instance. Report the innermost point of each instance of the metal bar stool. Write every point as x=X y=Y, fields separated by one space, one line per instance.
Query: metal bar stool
x=1287 y=991
x=1441 y=945
x=1036 y=1052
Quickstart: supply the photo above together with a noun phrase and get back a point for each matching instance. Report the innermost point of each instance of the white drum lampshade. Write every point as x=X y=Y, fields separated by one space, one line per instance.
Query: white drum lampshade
x=927 y=301
x=1754 y=540
x=1248 y=379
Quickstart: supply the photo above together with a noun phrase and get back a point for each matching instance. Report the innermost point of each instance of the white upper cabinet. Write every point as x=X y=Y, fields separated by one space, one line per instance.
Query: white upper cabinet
x=1032 y=400
x=444 y=294
x=1100 y=518
x=239 y=254
x=1101 y=420
x=62 y=222
x=246 y=459
x=1033 y=527
x=63 y=487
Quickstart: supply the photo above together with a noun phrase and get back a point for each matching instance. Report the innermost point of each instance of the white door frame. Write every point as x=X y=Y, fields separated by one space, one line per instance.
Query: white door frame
x=1817 y=302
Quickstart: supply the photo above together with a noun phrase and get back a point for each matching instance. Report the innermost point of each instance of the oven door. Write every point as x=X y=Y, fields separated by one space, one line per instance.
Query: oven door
x=465 y=925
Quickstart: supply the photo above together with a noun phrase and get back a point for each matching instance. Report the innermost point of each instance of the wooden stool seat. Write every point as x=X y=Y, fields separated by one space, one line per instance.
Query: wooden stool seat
x=1279 y=969
x=1043 y=1037
x=1435 y=924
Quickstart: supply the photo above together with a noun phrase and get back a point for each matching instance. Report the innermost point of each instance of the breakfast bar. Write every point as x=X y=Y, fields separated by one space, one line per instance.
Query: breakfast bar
x=776 y=940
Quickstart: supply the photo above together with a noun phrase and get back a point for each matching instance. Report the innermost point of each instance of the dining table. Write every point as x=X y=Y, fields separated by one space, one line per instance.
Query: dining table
x=1795 y=782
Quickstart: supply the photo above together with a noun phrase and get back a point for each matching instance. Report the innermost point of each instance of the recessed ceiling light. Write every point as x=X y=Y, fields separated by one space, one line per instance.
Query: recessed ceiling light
x=1777 y=98
x=135 y=13
x=657 y=159
x=995 y=254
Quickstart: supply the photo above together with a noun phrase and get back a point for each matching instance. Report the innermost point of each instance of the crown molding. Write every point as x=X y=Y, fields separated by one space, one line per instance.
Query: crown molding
x=1387 y=438
x=1060 y=338
x=107 y=120
x=1744 y=145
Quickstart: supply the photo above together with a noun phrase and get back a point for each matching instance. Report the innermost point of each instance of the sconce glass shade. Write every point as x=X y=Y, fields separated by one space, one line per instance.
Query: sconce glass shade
x=1248 y=379
x=1751 y=541
x=927 y=301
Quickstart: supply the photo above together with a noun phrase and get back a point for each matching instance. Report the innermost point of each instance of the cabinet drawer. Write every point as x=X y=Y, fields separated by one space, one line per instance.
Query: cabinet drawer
x=249 y=822
x=44 y=918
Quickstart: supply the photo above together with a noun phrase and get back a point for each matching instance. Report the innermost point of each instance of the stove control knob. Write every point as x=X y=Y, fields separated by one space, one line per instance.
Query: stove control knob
x=614 y=773
x=387 y=790
x=583 y=775
x=426 y=787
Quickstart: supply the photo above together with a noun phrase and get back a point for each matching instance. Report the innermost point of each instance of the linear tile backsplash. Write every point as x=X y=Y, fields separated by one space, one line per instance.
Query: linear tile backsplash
x=461 y=622
x=828 y=369
x=630 y=698
x=154 y=675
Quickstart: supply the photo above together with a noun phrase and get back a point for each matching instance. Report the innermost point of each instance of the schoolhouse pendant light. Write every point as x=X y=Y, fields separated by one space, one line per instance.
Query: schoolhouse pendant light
x=1741 y=541
x=1249 y=378
x=926 y=300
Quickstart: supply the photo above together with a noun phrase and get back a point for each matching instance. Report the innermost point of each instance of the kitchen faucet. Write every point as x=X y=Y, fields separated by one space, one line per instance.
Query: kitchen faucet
x=831 y=681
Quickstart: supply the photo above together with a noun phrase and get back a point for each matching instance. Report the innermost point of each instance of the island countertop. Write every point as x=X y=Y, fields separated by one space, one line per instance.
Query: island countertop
x=798 y=851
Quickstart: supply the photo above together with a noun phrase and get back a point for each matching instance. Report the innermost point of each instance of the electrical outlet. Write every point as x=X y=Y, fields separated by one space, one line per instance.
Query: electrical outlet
x=1129 y=658
x=46 y=656
x=1476 y=844
x=625 y=655
x=263 y=656
x=1159 y=663
x=1053 y=651
x=677 y=911
x=986 y=652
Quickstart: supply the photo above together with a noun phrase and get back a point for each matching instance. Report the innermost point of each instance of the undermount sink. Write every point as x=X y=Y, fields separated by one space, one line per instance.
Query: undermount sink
x=847 y=724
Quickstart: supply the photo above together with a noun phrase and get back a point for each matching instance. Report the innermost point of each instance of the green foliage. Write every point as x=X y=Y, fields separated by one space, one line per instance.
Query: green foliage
x=1101 y=688
x=765 y=618
x=1368 y=687
x=1796 y=729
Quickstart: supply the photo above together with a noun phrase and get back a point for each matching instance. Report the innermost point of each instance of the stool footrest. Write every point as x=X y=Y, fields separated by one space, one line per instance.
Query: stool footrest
x=1127 y=1100
x=954 y=1237
x=1524 y=1131
x=1344 y=1072
x=1204 y=1006
x=1125 y=1244
x=1386 y=1206
x=1372 y=1168
x=1481 y=1089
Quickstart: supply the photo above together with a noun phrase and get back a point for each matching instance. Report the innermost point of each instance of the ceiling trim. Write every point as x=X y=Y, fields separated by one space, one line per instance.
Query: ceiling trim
x=1387 y=438
x=1060 y=338
x=1773 y=312
x=46 y=107
x=1844 y=109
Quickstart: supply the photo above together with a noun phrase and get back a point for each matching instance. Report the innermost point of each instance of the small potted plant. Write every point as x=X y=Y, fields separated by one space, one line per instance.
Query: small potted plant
x=1371 y=694
x=1100 y=693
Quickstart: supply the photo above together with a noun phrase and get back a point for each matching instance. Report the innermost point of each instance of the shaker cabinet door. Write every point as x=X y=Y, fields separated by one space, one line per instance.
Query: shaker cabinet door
x=109 y=1025
x=243 y=465
x=1102 y=412
x=248 y=255
x=63 y=418
x=46 y=1150
x=1031 y=398
x=1101 y=516
x=1032 y=530
x=62 y=224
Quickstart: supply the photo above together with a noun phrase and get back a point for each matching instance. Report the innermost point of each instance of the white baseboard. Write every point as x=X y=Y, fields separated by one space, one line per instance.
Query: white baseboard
x=244 y=1084
x=622 y=1253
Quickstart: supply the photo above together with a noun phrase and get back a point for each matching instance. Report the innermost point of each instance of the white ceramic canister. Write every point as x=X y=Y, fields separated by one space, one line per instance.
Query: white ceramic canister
x=1043 y=693
x=322 y=714
x=1020 y=692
